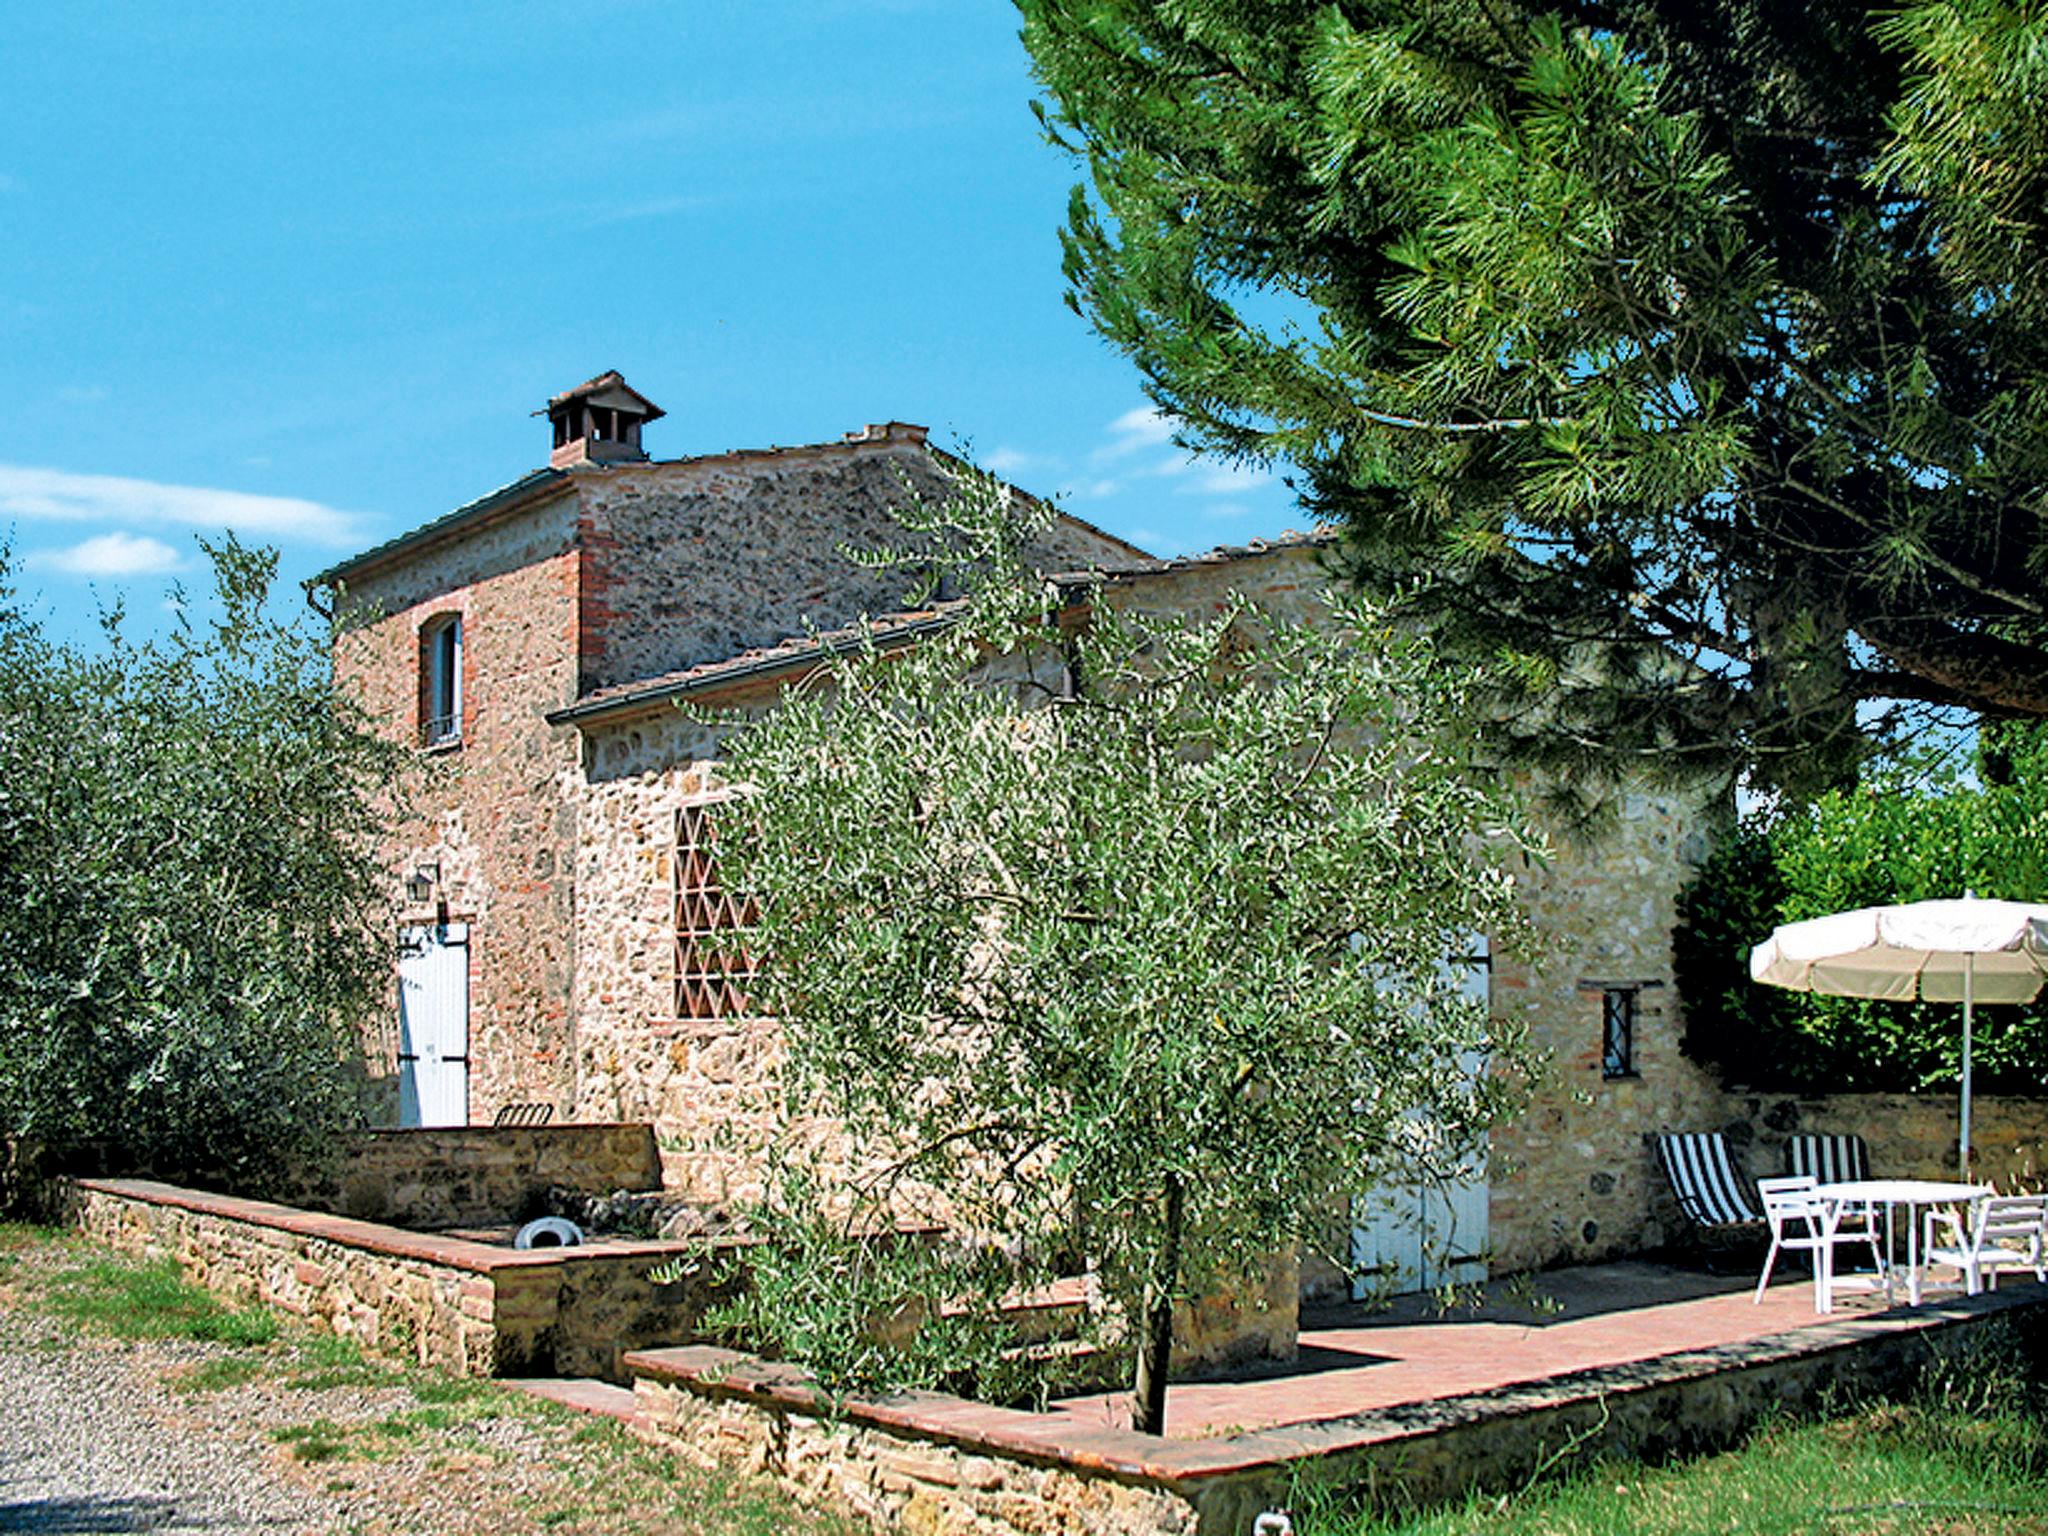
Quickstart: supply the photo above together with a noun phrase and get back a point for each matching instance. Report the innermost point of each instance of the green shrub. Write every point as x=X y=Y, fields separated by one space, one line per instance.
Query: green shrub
x=1912 y=831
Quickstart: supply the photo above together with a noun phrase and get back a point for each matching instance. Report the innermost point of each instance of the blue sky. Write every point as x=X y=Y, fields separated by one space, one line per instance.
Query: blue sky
x=304 y=269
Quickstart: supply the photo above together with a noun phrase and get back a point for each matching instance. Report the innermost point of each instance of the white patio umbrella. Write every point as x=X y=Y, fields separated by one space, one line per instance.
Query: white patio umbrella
x=1969 y=951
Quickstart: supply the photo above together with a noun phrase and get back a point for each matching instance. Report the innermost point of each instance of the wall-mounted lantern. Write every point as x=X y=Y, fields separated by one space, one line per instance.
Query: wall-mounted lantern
x=419 y=885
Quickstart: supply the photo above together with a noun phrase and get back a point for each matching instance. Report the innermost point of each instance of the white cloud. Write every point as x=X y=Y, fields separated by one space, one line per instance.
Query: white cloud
x=1135 y=431
x=1011 y=461
x=114 y=555
x=1142 y=433
x=1213 y=477
x=645 y=208
x=52 y=495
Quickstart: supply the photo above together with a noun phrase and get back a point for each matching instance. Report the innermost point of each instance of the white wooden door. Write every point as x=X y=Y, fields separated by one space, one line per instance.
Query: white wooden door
x=433 y=1025
x=1417 y=1237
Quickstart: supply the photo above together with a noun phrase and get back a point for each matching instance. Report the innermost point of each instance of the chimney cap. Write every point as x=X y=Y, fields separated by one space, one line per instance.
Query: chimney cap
x=888 y=432
x=608 y=388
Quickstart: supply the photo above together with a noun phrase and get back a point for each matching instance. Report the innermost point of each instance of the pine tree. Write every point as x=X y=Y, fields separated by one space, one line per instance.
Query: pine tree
x=1689 y=355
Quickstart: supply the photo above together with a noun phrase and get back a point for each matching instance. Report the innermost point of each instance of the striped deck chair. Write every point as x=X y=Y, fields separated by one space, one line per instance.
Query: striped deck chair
x=1832 y=1160
x=524 y=1114
x=1713 y=1198
x=1827 y=1159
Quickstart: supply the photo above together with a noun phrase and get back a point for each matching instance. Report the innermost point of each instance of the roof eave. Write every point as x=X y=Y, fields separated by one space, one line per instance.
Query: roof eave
x=525 y=491
x=761 y=669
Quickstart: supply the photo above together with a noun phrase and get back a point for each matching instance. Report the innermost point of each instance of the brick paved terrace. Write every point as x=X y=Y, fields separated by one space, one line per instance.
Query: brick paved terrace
x=1359 y=1358
x=1404 y=1403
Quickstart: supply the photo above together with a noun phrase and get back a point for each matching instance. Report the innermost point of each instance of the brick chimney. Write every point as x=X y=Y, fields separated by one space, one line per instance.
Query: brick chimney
x=599 y=422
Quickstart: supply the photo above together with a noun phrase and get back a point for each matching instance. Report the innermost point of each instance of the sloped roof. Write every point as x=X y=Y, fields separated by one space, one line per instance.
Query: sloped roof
x=537 y=484
x=526 y=489
x=884 y=631
x=1222 y=554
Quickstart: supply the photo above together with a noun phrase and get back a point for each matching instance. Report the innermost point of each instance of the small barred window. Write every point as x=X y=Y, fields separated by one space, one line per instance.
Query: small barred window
x=1618 y=1031
x=710 y=980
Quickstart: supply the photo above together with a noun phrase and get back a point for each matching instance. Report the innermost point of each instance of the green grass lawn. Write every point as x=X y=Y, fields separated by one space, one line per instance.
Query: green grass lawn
x=1967 y=1457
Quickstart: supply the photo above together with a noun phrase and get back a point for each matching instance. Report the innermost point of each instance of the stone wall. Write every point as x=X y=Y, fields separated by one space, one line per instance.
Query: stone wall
x=479 y=1175
x=700 y=560
x=422 y=1307
x=494 y=812
x=899 y=1481
x=606 y=1306
x=929 y=1463
x=706 y=1084
x=1243 y=1326
x=1572 y=1177
x=439 y=1301
x=1909 y=1135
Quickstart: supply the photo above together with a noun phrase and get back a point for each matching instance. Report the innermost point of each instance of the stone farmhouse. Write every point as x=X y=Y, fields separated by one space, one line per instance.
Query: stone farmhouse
x=549 y=892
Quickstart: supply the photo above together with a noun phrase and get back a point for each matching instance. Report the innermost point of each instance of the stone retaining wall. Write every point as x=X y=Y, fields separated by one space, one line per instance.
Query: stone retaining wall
x=471 y=1176
x=1910 y=1135
x=725 y=1411
x=926 y=1463
x=439 y=1301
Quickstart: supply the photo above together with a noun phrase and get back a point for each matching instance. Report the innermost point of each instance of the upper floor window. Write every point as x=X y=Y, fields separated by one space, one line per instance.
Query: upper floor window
x=441 y=680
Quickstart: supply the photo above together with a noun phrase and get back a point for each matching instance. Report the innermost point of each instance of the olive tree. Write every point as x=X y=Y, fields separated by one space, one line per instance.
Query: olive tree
x=186 y=827
x=1111 y=940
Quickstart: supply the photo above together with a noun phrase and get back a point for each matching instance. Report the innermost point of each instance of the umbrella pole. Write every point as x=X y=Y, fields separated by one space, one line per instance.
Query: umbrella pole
x=1969 y=1000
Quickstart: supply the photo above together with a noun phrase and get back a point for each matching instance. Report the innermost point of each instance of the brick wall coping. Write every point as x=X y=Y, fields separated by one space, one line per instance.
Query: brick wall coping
x=552 y=1128
x=373 y=1237
x=1048 y=1439
x=1877 y=1098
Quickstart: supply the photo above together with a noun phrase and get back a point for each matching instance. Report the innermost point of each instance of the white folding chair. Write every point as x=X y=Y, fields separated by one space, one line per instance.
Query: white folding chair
x=1803 y=1222
x=2004 y=1232
x=1836 y=1159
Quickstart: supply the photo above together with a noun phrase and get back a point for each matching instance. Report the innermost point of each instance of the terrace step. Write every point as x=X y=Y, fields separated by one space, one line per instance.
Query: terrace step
x=583 y=1393
x=1050 y=1312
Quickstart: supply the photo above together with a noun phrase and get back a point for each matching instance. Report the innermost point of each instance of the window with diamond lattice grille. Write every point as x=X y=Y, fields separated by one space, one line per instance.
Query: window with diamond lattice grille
x=710 y=980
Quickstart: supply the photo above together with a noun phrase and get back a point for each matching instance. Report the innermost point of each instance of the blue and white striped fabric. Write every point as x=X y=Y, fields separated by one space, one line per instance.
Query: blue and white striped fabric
x=1703 y=1178
x=1827 y=1159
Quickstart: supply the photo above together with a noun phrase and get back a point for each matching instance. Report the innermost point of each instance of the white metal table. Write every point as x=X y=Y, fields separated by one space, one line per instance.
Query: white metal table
x=1913 y=1194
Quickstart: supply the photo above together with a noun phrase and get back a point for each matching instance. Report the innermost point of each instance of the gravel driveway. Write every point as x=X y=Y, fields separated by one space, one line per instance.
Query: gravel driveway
x=88 y=1443
x=108 y=1434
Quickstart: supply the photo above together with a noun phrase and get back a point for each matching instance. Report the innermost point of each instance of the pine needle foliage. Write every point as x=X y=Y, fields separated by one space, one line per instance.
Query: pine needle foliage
x=1104 y=941
x=1694 y=351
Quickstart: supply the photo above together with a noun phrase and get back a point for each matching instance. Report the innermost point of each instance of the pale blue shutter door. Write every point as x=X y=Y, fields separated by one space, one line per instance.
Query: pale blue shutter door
x=433 y=1026
x=1417 y=1237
